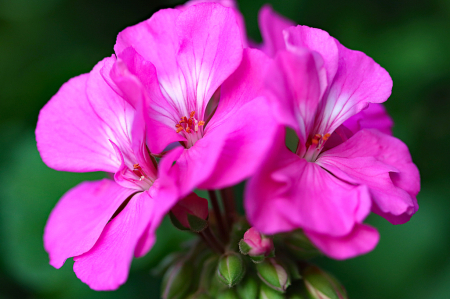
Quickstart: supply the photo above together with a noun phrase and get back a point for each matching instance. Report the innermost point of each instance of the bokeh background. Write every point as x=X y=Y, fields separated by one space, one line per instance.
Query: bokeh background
x=43 y=43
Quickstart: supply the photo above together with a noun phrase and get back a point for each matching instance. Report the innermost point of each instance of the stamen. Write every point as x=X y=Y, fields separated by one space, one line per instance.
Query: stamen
x=189 y=125
x=201 y=123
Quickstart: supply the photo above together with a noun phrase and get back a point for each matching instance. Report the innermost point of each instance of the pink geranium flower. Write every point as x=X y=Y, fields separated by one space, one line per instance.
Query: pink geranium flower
x=86 y=127
x=336 y=176
x=200 y=89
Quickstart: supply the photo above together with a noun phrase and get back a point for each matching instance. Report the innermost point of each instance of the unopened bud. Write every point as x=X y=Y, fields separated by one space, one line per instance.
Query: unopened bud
x=300 y=246
x=274 y=274
x=177 y=280
x=248 y=287
x=322 y=285
x=231 y=268
x=256 y=245
x=267 y=293
x=190 y=213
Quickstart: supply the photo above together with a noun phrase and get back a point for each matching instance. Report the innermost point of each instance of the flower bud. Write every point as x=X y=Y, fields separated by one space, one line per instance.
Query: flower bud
x=177 y=280
x=300 y=246
x=274 y=274
x=248 y=288
x=231 y=268
x=267 y=293
x=190 y=213
x=321 y=285
x=256 y=245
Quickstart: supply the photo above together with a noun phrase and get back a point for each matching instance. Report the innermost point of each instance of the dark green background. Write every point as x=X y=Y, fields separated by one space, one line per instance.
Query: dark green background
x=43 y=43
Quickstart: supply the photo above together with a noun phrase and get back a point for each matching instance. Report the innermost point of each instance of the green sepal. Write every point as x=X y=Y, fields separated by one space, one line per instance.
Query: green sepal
x=196 y=224
x=177 y=280
x=266 y=292
x=274 y=274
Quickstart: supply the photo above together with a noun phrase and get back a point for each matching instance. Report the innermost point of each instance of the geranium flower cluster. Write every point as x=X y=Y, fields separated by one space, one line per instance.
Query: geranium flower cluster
x=186 y=102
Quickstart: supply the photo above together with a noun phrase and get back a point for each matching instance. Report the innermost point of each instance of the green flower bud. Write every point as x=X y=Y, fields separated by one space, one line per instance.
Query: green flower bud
x=274 y=274
x=227 y=294
x=248 y=288
x=231 y=268
x=268 y=293
x=300 y=246
x=321 y=285
x=177 y=280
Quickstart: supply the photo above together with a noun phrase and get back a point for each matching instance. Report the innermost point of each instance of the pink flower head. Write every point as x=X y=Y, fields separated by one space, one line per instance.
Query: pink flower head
x=200 y=88
x=258 y=243
x=86 y=127
x=336 y=176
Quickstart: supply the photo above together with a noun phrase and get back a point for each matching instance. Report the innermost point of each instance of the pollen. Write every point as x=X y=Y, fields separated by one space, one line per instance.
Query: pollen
x=189 y=125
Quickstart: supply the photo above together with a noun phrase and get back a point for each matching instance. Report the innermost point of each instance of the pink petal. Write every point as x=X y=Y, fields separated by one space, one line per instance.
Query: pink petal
x=78 y=219
x=243 y=120
x=210 y=51
x=358 y=81
x=70 y=135
x=306 y=195
x=374 y=116
x=315 y=40
x=116 y=114
x=137 y=79
x=165 y=194
x=294 y=81
x=384 y=165
x=272 y=25
x=157 y=41
x=106 y=265
x=362 y=239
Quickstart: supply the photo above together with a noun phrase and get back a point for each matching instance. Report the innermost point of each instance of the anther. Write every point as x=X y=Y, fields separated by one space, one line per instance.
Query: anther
x=192 y=114
x=326 y=136
x=201 y=123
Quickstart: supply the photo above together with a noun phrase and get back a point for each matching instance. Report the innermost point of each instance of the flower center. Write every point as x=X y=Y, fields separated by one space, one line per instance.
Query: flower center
x=314 y=145
x=191 y=128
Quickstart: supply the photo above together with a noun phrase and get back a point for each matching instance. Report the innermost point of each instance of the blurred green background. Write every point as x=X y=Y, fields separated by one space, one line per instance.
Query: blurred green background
x=43 y=43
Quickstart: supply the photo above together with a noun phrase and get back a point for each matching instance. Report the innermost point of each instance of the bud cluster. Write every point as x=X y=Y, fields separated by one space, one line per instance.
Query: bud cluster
x=244 y=265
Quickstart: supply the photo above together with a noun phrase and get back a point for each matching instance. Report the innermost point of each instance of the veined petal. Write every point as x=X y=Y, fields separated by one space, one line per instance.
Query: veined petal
x=210 y=51
x=244 y=120
x=384 y=165
x=362 y=239
x=306 y=195
x=157 y=41
x=315 y=40
x=272 y=25
x=116 y=114
x=294 y=81
x=70 y=135
x=79 y=218
x=106 y=265
x=358 y=81
x=137 y=79
x=164 y=194
x=374 y=116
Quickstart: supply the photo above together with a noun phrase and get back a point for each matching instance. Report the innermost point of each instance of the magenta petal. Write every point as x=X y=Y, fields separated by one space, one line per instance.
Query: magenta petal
x=165 y=194
x=248 y=135
x=294 y=82
x=360 y=240
x=106 y=265
x=210 y=50
x=272 y=25
x=316 y=40
x=358 y=81
x=78 y=219
x=70 y=135
x=384 y=165
x=288 y=192
x=374 y=116
x=138 y=81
